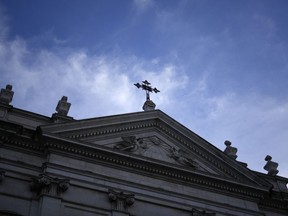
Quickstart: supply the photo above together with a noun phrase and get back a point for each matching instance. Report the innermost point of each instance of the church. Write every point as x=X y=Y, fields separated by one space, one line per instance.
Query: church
x=134 y=164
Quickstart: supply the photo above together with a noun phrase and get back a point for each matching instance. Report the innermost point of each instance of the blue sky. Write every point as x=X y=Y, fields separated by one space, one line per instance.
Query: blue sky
x=221 y=66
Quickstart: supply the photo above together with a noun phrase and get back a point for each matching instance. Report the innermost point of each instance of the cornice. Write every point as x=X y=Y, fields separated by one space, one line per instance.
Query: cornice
x=274 y=204
x=24 y=143
x=28 y=114
x=131 y=162
x=178 y=135
x=112 y=156
x=115 y=128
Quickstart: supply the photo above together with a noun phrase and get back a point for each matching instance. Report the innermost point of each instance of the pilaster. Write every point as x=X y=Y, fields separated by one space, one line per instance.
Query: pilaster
x=49 y=191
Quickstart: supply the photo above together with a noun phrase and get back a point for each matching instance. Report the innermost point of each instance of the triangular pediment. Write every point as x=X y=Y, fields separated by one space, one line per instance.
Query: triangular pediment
x=156 y=137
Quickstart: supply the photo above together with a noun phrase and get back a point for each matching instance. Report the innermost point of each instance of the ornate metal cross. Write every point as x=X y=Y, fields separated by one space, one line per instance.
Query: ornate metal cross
x=147 y=87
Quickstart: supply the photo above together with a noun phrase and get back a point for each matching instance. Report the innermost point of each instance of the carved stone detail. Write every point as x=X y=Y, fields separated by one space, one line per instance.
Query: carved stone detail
x=271 y=166
x=179 y=156
x=44 y=184
x=63 y=106
x=149 y=105
x=129 y=143
x=91 y=153
x=230 y=151
x=142 y=146
x=196 y=212
x=120 y=201
x=6 y=95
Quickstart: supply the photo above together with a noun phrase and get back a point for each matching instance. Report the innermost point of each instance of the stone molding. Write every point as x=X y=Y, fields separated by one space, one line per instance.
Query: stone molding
x=57 y=118
x=27 y=144
x=179 y=137
x=47 y=185
x=196 y=212
x=120 y=201
x=103 y=155
x=159 y=169
x=2 y=175
x=50 y=142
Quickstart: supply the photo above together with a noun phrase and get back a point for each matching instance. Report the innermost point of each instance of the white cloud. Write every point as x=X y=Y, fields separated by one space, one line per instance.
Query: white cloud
x=256 y=125
x=98 y=85
x=143 y=5
x=95 y=85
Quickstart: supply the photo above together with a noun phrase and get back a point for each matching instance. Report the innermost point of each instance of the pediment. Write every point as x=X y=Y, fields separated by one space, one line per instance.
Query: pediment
x=155 y=147
x=156 y=137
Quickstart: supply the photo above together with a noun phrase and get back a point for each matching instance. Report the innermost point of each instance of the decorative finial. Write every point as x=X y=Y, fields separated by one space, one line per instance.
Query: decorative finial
x=63 y=106
x=271 y=166
x=148 y=105
x=62 y=110
x=230 y=151
x=6 y=95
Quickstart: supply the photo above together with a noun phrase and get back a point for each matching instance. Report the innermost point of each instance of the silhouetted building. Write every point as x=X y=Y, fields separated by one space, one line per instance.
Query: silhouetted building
x=141 y=164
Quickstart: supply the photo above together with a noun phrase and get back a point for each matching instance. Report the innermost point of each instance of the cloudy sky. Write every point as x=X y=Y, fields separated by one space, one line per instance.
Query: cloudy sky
x=221 y=66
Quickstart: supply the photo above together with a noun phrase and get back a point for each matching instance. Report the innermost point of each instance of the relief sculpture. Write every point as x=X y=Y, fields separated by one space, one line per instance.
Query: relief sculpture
x=155 y=148
x=129 y=143
x=180 y=157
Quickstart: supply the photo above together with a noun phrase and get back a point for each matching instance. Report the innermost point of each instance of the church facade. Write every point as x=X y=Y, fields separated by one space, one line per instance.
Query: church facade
x=134 y=164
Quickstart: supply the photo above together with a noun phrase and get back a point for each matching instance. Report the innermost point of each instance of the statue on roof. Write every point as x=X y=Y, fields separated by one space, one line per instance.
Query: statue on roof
x=230 y=151
x=6 y=95
x=271 y=166
x=63 y=106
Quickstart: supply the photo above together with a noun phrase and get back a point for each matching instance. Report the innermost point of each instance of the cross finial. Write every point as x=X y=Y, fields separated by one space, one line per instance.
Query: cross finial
x=145 y=85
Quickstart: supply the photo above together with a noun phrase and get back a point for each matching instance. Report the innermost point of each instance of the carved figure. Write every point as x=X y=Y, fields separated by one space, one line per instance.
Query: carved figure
x=138 y=145
x=129 y=143
x=155 y=147
x=178 y=155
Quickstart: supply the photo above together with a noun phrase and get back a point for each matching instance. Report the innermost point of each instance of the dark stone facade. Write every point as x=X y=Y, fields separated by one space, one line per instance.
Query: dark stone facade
x=140 y=164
